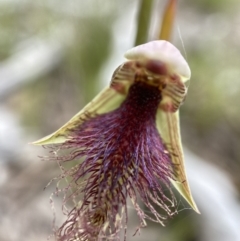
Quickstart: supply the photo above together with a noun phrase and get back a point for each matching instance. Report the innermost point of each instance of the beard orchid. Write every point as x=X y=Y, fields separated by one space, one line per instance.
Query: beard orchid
x=125 y=144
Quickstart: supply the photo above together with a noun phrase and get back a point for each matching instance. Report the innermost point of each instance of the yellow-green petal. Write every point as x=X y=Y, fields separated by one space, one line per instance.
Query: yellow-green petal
x=169 y=130
x=105 y=101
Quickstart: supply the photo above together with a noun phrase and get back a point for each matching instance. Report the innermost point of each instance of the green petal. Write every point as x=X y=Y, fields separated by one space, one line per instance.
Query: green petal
x=107 y=100
x=169 y=130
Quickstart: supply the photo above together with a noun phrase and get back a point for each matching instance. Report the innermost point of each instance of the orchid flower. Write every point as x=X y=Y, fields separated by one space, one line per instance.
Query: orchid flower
x=126 y=144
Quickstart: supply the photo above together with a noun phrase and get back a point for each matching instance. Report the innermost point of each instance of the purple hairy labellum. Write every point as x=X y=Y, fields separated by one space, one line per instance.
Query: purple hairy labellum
x=125 y=144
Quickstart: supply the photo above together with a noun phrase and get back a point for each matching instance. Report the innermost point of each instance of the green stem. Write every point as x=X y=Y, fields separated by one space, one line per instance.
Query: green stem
x=144 y=17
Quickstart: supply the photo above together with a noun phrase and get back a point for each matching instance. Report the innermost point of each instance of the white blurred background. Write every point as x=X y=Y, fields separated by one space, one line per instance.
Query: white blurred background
x=55 y=55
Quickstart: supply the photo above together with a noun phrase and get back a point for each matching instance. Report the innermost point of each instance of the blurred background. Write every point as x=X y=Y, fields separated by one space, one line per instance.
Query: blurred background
x=56 y=55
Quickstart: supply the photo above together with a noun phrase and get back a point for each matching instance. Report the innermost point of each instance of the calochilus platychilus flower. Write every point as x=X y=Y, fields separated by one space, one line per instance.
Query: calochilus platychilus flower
x=126 y=144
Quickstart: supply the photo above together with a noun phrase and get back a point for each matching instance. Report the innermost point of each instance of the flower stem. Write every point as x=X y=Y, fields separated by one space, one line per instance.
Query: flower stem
x=168 y=20
x=143 y=21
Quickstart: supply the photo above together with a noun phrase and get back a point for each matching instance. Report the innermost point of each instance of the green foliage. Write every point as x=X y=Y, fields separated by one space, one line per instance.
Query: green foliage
x=211 y=5
x=89 y=52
